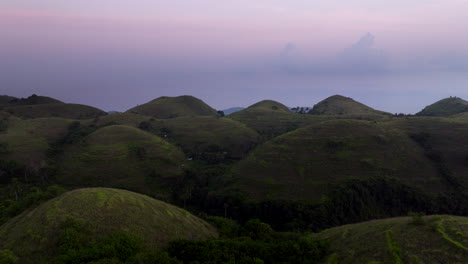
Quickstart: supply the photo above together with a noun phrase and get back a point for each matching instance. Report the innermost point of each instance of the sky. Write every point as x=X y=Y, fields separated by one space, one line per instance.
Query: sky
x=396 y=56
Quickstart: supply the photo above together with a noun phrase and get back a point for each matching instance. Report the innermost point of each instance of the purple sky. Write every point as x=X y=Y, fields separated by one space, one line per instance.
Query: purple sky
x=396 y=56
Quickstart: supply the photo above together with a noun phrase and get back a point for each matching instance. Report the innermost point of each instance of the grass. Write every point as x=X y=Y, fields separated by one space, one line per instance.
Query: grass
x=171 y=107
x=302 y=163
x=33 y=235
x=28 y=140
x=62 y=110
x=197 y=135
x=445 y=107
x=396 y=240
x=123 y=157
x=340 y=105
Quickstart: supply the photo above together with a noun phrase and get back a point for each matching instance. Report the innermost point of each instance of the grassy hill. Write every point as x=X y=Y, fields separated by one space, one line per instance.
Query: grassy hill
x=4 y=99
x=121 y=157
x=34 y=235
x=301 y=164
x=429 y=240
x=445 y=107
x=444 y=142
x=27 y=141
x=34 y=100
x=70 y=111
x=340 y=105
x=203 y=135
x=127 y=119
x=270 y=105
x=170 y=107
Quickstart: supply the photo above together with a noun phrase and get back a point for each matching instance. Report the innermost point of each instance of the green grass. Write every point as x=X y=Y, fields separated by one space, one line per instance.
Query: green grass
x=28 y=140
x=304 y=162
x=340 y=105
x=197 y=135
x=170 y=107
x=123 y=157
x=33 y=235
x=70 y=111
x=445 y=107
x=396 y=240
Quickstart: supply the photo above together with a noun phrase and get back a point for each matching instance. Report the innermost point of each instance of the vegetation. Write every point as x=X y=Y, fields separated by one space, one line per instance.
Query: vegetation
x=256 y=171
x=395 y=240
x=340 y=105
x=445 y=107
x=171 y=107
x=35 y=234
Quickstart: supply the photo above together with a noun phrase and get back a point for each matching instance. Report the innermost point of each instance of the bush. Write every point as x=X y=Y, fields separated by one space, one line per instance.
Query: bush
x=8 y=257
x=416 y=218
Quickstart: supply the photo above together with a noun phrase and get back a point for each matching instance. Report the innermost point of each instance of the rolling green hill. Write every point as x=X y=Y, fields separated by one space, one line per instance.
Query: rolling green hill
x=27 y=141
x=121 y=157
x=35 y=235
x=270 y=105
x=301 y=164
x=340 y=105
x=203 y=135
x=34 y=100
x=429 y=240
x=445 y=107
x=70 y=111
x=170 y=107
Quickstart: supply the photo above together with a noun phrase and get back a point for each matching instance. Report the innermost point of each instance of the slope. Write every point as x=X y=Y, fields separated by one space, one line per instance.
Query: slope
x=445 y=107
x=123 y=157
x=429 y=239
x=33 y=236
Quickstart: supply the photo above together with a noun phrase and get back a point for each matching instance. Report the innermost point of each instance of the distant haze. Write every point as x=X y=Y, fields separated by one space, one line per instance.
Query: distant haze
x=396 y=56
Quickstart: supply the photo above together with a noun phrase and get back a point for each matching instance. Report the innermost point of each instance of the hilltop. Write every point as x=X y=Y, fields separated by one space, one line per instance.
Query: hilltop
x=429 y=239
x=445 y=107
x=170 y=107
x=119 y=156
x=41 y=106
x=340 y=105
x=34 y=235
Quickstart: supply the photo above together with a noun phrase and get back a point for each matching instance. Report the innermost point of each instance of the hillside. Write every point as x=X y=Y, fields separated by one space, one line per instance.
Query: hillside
x=206 y=137
x=121 y=157
x=27 y=141
x=34 y=100
x=34 y=235
x=4 y=99
x=340 y=105
x=70 y=111
x=303 y=163
x=445 y=107
x=170 y=107
x=429 y=240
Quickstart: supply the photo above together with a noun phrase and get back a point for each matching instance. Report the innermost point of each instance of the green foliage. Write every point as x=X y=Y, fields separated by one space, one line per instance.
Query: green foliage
x=227 y=228
x=8 y=257
x=333 y=259
x=304 y=250
x=30 y=197
x=257 y=230
x=394 y=248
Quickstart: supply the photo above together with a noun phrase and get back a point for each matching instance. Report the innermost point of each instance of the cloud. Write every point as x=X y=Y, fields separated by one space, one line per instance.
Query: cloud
x=362 y=56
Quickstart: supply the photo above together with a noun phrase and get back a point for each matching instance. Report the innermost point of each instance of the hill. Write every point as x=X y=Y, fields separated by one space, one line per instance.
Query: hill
x=5 y=99
x=34 y=235
x=430 y=240
x=445 y=107
x=27 y=141
x=300 y=165
x=340 y=105
x=270 y=105
x=120 y=157
x=70 y=111
x=34 y=100
x=170 y=107
x=206 y=137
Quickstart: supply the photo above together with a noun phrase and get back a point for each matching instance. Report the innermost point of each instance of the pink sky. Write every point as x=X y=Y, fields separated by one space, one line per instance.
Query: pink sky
x=234 y=38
